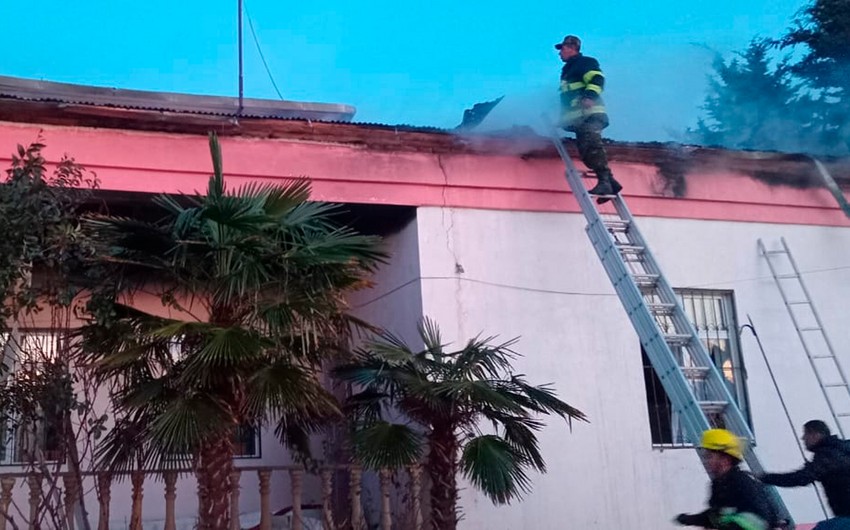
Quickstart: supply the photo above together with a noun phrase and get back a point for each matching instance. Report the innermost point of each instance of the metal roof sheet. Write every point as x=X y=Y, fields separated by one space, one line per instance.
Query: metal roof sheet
x=34 y=90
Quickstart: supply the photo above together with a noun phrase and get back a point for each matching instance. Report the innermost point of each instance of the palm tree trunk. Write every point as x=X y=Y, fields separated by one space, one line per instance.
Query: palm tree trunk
x=213 y=473
x=442 y=466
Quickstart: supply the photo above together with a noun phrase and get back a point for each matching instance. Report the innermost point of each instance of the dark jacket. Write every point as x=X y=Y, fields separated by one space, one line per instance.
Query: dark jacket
x=737 y=500
x=581 y=78
x=830 y=466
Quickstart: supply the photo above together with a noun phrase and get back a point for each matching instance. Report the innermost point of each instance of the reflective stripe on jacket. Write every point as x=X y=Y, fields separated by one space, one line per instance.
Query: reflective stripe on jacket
x=581 y=78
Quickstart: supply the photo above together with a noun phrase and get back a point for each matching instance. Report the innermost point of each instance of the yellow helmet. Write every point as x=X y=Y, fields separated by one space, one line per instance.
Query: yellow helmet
x=723 y=441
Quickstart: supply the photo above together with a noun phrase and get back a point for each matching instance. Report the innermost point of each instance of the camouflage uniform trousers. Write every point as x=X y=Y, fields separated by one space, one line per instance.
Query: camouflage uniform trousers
x=590 y=147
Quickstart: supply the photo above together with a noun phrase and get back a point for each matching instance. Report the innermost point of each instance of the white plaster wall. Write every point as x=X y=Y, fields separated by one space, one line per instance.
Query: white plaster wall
x=535 y=275
x=394 y=301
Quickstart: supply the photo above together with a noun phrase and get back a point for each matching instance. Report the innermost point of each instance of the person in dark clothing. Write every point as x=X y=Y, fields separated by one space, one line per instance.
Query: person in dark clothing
x=583 y=112
x=738 y=501
x=830 y=465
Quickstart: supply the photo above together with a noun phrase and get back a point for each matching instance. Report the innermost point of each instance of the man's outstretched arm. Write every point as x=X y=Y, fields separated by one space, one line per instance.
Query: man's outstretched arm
x=802 y=477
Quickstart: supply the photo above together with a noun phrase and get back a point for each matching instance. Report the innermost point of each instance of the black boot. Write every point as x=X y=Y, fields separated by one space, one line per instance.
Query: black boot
x=604 y=186
x=612 y=187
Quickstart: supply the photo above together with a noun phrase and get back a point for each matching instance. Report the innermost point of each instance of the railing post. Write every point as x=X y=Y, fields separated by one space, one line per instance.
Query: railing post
x=170 y=498
x=6 y=485
x=265 y=504
x=296 y=477
x=71 y=489
x=104 y=494
x=138 y=481
x=416 y=495
x=386 y=513
x=34 y=481
x=356 y=507
x=234 y=499
x=327 y=492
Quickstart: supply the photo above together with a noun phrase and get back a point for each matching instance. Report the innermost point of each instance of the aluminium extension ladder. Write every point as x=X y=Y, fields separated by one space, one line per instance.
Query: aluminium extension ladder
x=697 y=392
x=828 y=371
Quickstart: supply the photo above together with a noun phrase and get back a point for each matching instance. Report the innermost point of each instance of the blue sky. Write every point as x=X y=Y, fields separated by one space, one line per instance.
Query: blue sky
x=417 y=63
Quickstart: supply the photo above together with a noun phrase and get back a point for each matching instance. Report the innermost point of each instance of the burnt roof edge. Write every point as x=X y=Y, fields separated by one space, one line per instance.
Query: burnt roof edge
x=777 y=168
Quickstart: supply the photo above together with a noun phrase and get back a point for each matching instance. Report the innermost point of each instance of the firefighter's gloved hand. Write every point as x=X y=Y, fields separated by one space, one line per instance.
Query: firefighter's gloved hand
x=587 y=103
x=683 y=519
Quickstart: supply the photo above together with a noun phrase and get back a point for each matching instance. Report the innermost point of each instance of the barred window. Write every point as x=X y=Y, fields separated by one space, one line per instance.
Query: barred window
x=26 y=355
x=712 y=314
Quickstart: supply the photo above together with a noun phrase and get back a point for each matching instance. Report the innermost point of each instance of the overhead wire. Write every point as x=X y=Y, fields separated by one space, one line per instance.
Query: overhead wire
x=564 y=292
x=260 y=49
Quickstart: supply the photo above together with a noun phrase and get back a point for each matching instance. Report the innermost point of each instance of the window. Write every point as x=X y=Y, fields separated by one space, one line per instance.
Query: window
x=713 y=316
x=246 y=442
x=27 y=355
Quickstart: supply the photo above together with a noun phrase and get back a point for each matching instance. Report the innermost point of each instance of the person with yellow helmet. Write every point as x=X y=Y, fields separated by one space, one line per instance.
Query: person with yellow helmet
x=738 y=501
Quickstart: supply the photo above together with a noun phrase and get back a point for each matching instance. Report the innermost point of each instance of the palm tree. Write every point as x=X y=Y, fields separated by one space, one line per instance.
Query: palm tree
x=254 y=283
x=448 y=396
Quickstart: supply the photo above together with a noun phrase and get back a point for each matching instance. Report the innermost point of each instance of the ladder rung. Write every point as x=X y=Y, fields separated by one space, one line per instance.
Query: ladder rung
x=630 y=249
x=835 y=385
x=661 y=309
x=798 y=302
x=787 y=276
x=843 y=415
x=816 y=328
x=713 y=407
x=616 y=225
x=695 y=372
x=822 y=356
x=772 y=252
x=677 y=339
x=645 y=280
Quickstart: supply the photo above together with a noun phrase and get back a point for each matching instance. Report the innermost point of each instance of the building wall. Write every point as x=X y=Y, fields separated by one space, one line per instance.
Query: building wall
x=498 y=248
x=535 y=275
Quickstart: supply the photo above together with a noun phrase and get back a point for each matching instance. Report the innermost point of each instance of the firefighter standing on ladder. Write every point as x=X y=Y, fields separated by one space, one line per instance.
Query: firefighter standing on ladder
x=583 y=112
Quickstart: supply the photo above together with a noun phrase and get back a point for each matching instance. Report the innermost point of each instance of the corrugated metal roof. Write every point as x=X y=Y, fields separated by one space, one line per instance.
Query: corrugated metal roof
x=33 y=90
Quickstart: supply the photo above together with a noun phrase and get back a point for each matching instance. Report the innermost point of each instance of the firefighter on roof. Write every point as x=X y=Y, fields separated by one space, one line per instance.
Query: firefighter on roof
x=583 y=112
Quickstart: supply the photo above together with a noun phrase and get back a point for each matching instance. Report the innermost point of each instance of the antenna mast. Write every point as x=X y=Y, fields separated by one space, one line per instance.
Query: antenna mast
x=241 y=84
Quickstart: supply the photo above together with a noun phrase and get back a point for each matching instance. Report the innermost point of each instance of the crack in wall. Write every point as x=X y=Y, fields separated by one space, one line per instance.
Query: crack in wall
x=450 y=245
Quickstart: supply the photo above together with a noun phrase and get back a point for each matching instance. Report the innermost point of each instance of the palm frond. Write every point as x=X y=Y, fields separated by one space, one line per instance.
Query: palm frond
x=278 y=198
x=493 y=466
x=543 y=399
x=477 y=394
x=123 y=448
x=223 y=352
x=520 y=433
x=483 y=360
x=429 y=332
x=384 y=445
x=366 y=406
x=185 y=422
x=281 y=388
